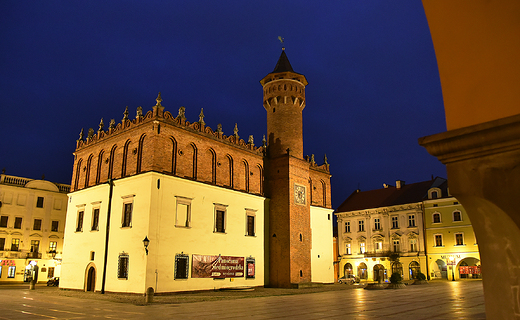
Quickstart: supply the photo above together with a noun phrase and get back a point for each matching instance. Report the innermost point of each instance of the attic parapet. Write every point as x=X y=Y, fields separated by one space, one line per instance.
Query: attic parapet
x=323 y=167
x=158 y=113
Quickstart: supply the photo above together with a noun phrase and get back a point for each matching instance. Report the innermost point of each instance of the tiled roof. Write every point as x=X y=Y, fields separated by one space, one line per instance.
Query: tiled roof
x=390 y=196
x=283 y=64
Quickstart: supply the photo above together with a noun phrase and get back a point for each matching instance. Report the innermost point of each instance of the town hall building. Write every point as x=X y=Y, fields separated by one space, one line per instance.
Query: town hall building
x=160 y=202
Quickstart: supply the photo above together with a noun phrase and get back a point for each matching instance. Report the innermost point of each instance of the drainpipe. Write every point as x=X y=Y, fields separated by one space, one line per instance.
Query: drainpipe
x=111 y=184
x=424 y=242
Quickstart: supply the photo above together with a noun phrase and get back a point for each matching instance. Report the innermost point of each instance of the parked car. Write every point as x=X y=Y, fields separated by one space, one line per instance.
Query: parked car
x=349 y=279
x=54 y=282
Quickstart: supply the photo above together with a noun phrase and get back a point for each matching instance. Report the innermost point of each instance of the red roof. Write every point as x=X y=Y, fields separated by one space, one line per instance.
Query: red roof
x=390 y=196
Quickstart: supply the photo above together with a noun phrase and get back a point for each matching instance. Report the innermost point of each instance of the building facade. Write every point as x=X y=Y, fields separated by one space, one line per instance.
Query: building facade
x=214 y=210
x=32 y=223
x=451 y=244
x=380 y=232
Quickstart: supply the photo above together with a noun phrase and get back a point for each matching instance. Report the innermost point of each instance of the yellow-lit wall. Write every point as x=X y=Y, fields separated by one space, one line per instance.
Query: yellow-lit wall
x=154 y=216
x=20 y=201
x=477 y=45
x=322 y=254
x=448 y=228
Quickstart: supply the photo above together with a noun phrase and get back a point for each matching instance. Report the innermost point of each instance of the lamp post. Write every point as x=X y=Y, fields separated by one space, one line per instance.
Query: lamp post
x=452 y=262
x=146 y=242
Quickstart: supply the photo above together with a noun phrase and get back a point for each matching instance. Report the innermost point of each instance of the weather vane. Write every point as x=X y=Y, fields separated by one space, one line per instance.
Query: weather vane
x=281 y=41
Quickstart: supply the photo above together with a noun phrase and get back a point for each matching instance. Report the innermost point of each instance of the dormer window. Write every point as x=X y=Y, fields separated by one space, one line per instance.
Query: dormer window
x=434 y=193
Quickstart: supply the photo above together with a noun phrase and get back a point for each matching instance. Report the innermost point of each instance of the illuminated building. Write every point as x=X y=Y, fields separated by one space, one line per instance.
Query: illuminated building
x=381 y=231
x=159 y=202
x=32 y=222
x=451 y=244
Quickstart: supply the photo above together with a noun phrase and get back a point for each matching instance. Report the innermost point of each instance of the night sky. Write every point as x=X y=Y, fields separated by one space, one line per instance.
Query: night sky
x=373 y=90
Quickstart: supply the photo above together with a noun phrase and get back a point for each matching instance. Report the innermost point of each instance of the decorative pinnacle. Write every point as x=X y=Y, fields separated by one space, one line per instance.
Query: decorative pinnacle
x=235 y=131
x=251 y=141
x=125 y=117
x=139 y=112
x=159 y=100
x=112 y=124
x=312 y=159
x=219 y=128
x=182 y=113
x=264 y=142
x=325 y=159
x=101 y=125
x=201 y=117
x=81 y=134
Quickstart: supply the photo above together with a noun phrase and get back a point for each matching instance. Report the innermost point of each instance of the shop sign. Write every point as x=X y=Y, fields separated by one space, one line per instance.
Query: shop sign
x=10 y=263
x=217 y=266
x=469 y=269
x=250 y=263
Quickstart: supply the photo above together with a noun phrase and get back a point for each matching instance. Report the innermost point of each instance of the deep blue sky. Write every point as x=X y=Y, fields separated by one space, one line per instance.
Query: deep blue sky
x=373 y=90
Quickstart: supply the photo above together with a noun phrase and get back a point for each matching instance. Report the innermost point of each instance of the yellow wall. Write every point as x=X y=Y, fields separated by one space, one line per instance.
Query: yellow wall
x=476 y=44
x=322 y=253
x=154 y=216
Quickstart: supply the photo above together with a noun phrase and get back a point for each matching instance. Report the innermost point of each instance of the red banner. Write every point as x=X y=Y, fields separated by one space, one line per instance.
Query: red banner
x=7 y=263
x=217 y=266
x=469 y=269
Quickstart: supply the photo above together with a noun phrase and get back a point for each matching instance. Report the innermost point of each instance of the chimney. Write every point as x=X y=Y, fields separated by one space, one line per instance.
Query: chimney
x=399 y=184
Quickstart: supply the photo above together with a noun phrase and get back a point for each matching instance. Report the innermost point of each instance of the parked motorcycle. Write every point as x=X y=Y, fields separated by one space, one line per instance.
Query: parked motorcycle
x=54 y=282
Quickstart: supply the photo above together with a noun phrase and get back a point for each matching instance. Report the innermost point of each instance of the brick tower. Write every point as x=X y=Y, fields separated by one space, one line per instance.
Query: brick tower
x=287 y=177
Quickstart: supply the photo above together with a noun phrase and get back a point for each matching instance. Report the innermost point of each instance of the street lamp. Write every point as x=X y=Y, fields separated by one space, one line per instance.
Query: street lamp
x=452 y=262
x=146 y=242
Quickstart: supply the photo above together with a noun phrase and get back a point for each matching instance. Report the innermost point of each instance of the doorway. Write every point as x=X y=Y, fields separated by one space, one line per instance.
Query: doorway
x=91 y=279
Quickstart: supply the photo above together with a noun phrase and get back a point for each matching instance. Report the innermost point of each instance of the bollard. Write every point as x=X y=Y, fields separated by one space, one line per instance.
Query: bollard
x=149 y=295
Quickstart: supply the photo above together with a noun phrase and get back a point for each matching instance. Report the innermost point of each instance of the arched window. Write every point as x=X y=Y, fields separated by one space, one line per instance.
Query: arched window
x=397 y=267
x=194 y=173
x=379 y=272
x=436 y=217
x=457 y=215
x=78 y=172
x=414 y=269
x=87 y=173
x=348 y=269
x=99 y=164
x=174 y=156
x=362 y=271
x=140 y=153
x=125 y=158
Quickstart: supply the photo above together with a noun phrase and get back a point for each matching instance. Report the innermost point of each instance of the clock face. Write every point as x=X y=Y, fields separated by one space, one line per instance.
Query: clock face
x=299 y=194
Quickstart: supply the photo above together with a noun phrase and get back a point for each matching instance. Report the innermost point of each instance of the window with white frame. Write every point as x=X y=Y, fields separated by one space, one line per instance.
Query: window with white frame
x=11 y=272
x=378 y=245
x=457 y=216
x=362 y=247
x=250 y=222
x=361 y=225
x=55 y=225
x=53 y=245
x=459 y=239
x=436 y=217
x=395 y=222
x=347 y=248
x=411 y=220
x=438 y=240
x=15 y=244
x=37 y=224
x=396 y=245
x=95 y=219
x=126 y=219
x=79 y=221
x=347 y=226
x=183 y=212
x=413 y=245
x=39 y=202
x=220 y=218
x=377 y=224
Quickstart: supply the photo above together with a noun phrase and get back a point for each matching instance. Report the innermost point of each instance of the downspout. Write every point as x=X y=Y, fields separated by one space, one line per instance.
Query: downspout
x=111 y=184
x=424 y=243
